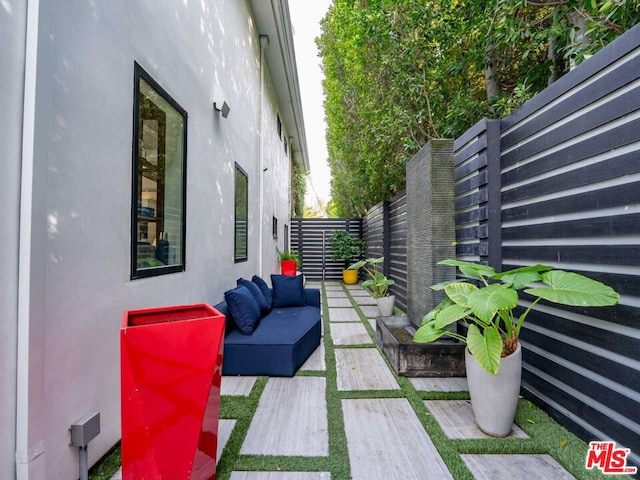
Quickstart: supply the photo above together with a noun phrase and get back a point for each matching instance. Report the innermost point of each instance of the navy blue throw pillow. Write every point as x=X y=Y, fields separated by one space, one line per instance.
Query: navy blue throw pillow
x=243 y=309
x=264 y=288
x=288 y=291
x=257 y=294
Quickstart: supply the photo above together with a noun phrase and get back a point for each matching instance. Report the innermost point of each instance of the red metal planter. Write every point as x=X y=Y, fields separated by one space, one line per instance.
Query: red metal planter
x=288 y=267
x=171 y=367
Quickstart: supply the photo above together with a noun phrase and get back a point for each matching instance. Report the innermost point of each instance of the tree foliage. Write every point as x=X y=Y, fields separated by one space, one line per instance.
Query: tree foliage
x=399 y=72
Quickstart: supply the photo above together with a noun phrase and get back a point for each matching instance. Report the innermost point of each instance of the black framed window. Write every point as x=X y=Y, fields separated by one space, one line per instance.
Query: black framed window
x=274 y=227
x=159 y=180
x=241 y=229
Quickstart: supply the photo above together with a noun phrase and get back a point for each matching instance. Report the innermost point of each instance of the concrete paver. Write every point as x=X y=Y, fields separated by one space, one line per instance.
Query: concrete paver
x=349 y=334
x=511 y=466
x=343 y=315
x=456 y=419
x=386 y=440
x=363 y=369
x=291 y=419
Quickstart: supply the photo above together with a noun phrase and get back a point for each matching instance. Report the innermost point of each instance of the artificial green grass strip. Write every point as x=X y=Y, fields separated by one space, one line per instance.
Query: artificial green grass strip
x=369 y=394
x=106 y=467
x=310 y=373
x=278 y=463
x=436 y=395
x=241 y=409
x=356 y=346
x=338 y=453
x=565 y=447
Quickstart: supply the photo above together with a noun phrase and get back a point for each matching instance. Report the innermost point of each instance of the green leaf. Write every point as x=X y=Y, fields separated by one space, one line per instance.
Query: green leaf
x=357 y=265
x=523 y=276
x=459 y=292
x=568 y=288
x=487 y=348
x=441 y=285
x=485 y=302
x=473 y=270
x=450 y=315
x=606 y=7
x=429 y=333
x=521 y=280
x=375 y=260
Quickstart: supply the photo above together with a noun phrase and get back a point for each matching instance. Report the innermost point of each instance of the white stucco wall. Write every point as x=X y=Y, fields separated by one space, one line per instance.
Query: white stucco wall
x=80 y=252
x=12 y=48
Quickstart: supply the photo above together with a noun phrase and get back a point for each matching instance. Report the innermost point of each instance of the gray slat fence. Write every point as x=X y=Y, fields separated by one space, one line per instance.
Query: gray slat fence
x=310 y=238
x=557 y=182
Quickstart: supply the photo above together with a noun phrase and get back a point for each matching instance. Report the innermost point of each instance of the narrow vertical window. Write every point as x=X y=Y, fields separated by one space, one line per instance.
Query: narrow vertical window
x=241 y=215
x=159 y=180
x=274 y=227
x=279 y=126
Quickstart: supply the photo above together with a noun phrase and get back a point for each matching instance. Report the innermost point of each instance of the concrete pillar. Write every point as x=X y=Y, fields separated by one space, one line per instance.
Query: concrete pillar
x=430 y=225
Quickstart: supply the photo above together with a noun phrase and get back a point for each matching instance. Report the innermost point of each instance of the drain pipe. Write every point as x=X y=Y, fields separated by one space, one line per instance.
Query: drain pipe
x=27 y=446
x=264 y=42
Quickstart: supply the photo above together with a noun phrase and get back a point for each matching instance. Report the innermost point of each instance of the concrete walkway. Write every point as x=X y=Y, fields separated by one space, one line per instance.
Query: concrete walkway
x=385 y=438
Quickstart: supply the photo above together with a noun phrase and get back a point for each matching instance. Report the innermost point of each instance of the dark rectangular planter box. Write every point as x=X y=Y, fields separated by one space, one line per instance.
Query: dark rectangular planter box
x=394 y=336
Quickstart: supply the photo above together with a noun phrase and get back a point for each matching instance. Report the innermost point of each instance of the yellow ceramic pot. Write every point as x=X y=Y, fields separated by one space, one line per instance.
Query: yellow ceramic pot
x=350 y=277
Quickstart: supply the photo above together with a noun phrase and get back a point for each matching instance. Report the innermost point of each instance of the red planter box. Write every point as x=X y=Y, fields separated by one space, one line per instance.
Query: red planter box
x=171 y=367
x=288 y=267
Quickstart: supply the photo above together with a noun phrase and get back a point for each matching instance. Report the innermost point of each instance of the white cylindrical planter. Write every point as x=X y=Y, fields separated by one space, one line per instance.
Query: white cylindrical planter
x=385 y=305
x=494 y=398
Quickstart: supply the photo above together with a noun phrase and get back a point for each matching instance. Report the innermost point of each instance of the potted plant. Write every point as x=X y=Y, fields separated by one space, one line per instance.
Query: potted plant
x=378 y=283
x=289 y=262
x=346 y=247
x=486 y=302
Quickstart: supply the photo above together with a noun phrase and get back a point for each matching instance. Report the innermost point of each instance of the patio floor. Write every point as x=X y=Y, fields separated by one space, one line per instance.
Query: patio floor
x=346 y=407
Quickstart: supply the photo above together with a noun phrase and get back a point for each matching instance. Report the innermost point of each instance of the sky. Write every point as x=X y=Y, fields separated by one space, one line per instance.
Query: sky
x=305 y=18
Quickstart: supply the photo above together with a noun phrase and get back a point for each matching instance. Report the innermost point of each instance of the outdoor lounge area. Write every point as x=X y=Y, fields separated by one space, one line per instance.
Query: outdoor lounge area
x=345 y=414
x=157 y=154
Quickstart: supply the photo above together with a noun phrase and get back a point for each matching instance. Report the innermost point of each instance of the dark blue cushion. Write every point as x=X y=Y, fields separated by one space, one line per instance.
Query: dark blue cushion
x=279 y=346
x=243 y=308
x=257 y=294
x=264 y=288
x=288 y=291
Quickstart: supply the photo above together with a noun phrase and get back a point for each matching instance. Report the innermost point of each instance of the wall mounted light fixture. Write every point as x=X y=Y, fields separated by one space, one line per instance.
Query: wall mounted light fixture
x=222 y=107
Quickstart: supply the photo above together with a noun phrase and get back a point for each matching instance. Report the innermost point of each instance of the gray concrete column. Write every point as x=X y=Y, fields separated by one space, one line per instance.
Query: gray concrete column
x=430 y=225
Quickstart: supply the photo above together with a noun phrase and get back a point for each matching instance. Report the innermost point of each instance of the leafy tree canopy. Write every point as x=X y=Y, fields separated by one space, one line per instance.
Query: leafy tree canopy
x=399 y=72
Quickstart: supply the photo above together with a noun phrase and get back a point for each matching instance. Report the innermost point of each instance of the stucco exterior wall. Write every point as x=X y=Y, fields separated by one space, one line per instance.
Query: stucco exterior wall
x=80 y=241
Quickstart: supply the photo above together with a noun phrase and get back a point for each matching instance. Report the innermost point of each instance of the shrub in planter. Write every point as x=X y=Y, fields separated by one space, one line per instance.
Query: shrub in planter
x=486 y=302
x=346 y=247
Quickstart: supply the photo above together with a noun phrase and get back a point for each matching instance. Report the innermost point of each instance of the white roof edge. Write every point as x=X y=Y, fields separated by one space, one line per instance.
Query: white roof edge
x=273 y=19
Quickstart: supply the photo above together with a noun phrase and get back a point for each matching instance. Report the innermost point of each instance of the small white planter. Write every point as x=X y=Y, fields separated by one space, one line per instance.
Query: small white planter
x=385 y=305
x=494 y=398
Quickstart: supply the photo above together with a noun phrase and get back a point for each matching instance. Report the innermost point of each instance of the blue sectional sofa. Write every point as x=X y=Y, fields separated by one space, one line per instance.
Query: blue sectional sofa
x=281 y=340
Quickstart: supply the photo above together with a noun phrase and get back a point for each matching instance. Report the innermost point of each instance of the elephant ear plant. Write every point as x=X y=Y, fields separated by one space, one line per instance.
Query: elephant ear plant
x=377 y=280
x=488 y=309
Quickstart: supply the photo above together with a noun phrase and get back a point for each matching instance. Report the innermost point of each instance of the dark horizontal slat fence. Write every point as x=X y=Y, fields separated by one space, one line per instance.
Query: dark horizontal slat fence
x=558 y=182
x=385 y=234
x=397 y=249
x=570 y=197
x=310 y=238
